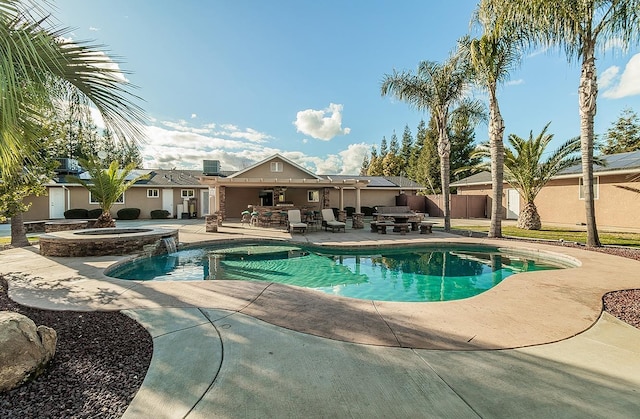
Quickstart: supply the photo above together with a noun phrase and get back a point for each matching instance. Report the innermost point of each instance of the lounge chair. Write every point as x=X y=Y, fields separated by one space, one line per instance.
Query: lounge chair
x=295 y=222
x=329 y=221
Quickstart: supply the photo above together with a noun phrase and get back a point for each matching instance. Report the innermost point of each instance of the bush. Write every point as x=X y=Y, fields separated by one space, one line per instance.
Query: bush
x=76 y=213
x=94 y=213
x=158 y=214
x=128 y=213
x=350 y=211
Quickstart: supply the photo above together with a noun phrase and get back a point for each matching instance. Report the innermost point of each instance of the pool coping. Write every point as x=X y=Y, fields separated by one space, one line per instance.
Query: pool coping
x=526 y=309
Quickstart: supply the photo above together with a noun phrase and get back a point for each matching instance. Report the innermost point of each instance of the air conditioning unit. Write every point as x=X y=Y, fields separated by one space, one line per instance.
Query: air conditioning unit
x=68 y=166
x=211 y=167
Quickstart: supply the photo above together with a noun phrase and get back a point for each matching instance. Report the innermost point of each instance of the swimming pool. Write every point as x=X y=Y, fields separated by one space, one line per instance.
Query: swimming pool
x=419 y=273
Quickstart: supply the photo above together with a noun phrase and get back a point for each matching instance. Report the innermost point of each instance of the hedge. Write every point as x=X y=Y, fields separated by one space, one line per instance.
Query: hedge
x=76 y=213
x=158 y=214
x=94 y=213
x=128 y=213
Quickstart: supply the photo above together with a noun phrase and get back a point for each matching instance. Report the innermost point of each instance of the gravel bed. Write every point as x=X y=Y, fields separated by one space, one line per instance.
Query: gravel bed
x=100 y=362
x=102 y=357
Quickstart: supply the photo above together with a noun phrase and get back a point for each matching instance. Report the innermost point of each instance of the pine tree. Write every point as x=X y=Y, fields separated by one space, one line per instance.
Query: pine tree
x=416 y=149
x=365 y=166
x=407 y=143
x=383 y=147
x=462 y=146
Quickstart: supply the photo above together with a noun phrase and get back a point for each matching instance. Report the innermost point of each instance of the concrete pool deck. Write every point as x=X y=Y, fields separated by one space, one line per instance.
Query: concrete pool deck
x=229 y=349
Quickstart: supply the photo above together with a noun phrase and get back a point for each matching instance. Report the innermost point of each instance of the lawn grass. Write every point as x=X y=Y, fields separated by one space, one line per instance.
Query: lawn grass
x=569 y=235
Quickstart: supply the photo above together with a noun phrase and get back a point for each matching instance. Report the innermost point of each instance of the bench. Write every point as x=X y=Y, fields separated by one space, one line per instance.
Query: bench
x=425 y=227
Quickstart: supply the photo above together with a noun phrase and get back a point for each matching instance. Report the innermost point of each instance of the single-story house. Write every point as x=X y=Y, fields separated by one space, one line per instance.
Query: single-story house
x=275 y=182
x=617 y=193
x=177 y=191
x=278 y=183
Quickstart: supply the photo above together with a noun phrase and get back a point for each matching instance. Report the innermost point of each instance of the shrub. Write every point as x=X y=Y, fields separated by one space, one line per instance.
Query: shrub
x=76 y=213
x=94 y=213
x=128 y=213
x=158 y=214
x=350 y=211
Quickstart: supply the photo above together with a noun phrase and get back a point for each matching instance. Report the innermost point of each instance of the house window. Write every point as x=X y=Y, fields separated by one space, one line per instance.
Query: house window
x=276 y=166
x=120 y=199
x=187 y=193
x=596 y=188
x=313 y=196
x=153 y=193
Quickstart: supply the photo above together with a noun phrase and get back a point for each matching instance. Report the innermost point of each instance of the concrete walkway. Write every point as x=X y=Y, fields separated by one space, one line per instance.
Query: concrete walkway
x=238 y=349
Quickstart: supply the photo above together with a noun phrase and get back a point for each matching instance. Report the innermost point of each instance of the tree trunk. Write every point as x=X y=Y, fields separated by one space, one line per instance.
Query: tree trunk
x=105 y=221
x=444 y=150
x=18 y=235
x=587 y=96
x=529 y=219
x=496 y=146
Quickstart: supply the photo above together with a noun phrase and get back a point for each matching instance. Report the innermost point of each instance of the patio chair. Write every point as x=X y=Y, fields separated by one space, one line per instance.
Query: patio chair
x=295 y=222
x=329 y=221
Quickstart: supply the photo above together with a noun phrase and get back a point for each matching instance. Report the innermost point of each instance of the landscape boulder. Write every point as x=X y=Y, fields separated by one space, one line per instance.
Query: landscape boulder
x=25 y=349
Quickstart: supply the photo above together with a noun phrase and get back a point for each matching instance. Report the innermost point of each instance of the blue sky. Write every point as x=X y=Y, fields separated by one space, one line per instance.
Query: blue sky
x=238 y=81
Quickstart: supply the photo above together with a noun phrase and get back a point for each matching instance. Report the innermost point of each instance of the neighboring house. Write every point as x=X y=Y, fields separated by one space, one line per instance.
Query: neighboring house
x=274 y=182
x=617 y=193
x=177 y=191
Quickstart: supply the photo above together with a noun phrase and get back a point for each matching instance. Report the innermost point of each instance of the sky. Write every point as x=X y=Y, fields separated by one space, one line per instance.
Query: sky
x=240 y=80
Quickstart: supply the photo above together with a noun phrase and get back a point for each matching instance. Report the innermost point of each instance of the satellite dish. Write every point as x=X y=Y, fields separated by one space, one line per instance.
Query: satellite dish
x=102 y=154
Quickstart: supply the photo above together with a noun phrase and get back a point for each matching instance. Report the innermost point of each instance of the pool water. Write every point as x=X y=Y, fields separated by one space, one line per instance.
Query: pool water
x=393 y=274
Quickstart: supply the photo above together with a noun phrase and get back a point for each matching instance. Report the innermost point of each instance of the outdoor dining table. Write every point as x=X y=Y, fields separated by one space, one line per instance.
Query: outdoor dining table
x=398 y=218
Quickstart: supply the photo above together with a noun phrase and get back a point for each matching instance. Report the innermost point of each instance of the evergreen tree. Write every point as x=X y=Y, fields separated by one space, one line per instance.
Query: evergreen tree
x=416 y=149
x=364 y=167
x=375 y=166
x=624 y=134
x=407 y=143
x=383 y=147
x=394 y=147
x=462 y=147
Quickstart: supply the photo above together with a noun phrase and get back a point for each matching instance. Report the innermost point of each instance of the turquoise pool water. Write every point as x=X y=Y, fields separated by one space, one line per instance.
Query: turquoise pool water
x=393 y=274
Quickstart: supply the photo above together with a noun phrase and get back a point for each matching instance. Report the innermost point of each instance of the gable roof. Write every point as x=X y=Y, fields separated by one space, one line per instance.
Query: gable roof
x=268 y=159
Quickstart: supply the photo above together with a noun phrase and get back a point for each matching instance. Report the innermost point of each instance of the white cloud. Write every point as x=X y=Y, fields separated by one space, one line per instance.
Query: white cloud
x=627 y=84
x=93 y=29
x=608 y=76
x=317 y=124
x=194 y=116
x=515 y=82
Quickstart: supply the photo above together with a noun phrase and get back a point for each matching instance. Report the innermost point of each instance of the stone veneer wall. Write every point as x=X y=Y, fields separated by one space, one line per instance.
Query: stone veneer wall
x=51 y=245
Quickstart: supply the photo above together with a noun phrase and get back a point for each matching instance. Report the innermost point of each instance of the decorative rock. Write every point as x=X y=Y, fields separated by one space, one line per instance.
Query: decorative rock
x=25 y=349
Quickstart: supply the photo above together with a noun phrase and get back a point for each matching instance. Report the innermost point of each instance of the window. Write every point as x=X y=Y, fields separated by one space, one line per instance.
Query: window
x=596 y=188
x=313 y=196
x=120 y=199
x=187 y=193
x=276 y=166
x=153 y=193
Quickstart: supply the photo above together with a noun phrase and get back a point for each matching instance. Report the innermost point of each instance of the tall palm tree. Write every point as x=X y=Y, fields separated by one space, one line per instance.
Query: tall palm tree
x=106 y=186
x=491 y=57
x=527 y=172
x=441 y=89
x=578 y=27
x=39 y=70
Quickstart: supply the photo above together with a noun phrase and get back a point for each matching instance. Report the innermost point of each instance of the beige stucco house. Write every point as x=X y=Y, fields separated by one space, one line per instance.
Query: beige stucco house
x=617 y=193
x=275 y=183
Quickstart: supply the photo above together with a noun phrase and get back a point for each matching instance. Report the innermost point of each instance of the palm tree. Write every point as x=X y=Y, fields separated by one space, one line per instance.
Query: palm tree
x=579 y=27
x=490 y=59
x=527 y=172
x=106 y=186
x=45 y=72
x=441 y=89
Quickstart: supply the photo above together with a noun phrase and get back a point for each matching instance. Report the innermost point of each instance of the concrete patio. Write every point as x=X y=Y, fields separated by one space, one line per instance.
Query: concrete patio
x=248 y=349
